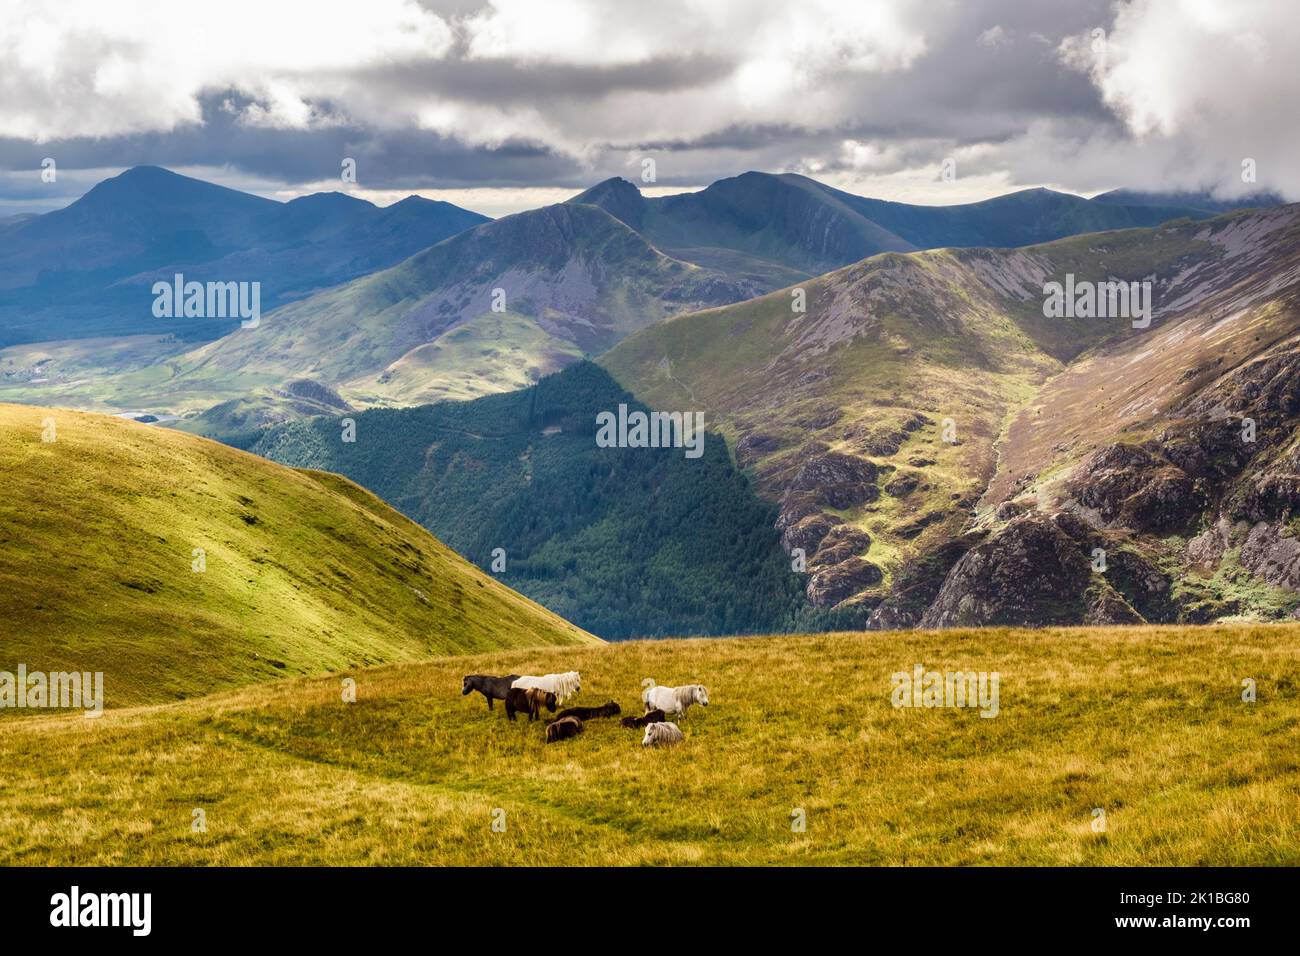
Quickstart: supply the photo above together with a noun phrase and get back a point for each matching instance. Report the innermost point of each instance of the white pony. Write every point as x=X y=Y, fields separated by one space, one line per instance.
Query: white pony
x=662 y=734
x=563 y=686
x=675 y=700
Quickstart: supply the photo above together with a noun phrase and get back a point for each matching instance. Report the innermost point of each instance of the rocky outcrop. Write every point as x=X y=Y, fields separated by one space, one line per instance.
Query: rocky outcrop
x=1145 y=589
x=1029 y=573
x=1010 y=509
x=1106 y=607
x=883 y=440
x=832 y=548
x=1270 y=491
x=829 y=586
x=902 y=484
x=833 y=480
x=754 y=446
x=839 y=544
x=1205 y=551
x=1129 y=486
x=807 y=533
x=1272 y=555
x=1268 y=389
x=823 y=416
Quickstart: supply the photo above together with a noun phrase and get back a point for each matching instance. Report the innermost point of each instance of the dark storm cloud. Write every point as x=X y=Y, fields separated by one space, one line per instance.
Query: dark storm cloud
x=391 y=159
x=507 y=83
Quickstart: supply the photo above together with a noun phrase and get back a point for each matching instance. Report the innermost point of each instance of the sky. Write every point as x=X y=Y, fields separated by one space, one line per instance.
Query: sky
x=503 y=105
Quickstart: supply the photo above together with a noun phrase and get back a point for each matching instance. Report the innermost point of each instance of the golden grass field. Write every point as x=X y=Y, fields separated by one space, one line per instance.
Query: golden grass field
x=1146 y=723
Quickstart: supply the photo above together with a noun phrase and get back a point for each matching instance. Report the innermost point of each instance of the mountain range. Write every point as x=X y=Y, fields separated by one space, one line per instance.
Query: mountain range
x=87 y=270
x=928 y=439
x=785 y=227
x=901 y=432
x=492 y=308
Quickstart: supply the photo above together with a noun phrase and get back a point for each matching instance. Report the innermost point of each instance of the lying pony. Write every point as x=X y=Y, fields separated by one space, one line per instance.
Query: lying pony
x=562 y=729
x=662 y=734
x=586 y=713
x=530 y=701
x=654 y=717
x=563 y=686
x=675 y=700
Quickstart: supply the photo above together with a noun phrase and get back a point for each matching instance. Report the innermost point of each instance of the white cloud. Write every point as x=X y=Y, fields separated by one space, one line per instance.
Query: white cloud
x=812 y=34
x=89 y=68
x=876 y=91
x=1200 y=86
x=994 y=36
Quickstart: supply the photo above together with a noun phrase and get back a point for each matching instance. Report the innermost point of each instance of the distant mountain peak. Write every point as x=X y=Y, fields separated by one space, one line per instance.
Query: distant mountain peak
x=158 y=186
x=616 y=184
x=618 y=197
x=146 y=172
x=331 y=198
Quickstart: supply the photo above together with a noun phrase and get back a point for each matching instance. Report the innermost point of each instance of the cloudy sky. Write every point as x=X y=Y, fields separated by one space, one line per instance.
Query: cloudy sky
x=501 y=105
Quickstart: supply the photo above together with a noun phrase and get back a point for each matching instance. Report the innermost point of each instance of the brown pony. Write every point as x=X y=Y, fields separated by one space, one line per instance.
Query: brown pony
x=530 y=701
x=563 y=728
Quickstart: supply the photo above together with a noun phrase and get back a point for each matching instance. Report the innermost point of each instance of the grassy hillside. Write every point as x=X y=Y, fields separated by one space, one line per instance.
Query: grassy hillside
x=624 y=542
x=1146 y=724
x=240 y=422
x=305 y=572
x=496 y=352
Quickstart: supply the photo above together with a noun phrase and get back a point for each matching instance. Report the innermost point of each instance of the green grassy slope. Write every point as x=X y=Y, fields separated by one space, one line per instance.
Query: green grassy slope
x=305 y=572
x=496 y=352
x=241 y=421
x=1146 y=724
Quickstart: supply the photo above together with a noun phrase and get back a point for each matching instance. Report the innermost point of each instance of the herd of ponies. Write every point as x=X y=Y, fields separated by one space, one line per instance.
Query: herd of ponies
x=529 y=695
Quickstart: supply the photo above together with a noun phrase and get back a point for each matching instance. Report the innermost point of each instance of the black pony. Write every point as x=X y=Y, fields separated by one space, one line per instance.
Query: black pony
x=493 y=688
x=653 y=717
x=587 y=713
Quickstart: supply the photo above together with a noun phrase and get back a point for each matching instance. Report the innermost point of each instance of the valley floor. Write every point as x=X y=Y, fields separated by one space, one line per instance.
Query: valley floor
x=1146 y=724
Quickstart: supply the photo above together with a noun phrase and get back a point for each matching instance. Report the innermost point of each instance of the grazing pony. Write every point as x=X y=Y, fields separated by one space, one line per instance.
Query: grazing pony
x=563 y=686
x=586 y=713
x=675 y=700
x=662 y=734
x=563 y=728
x=530 y=701
x=654 y=717
x=493 y=688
